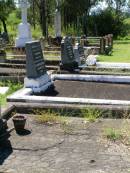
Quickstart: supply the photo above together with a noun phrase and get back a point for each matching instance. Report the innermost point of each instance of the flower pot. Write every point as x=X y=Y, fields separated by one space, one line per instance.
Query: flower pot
x=19 y=122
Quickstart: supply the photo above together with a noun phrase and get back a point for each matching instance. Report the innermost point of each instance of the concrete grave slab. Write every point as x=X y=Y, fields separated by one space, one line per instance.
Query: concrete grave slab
x=82 y=82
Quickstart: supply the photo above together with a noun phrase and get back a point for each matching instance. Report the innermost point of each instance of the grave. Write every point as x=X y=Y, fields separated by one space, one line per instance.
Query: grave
x=37 y=77
x=24 y=30
x=69 y=88
x=68 y=60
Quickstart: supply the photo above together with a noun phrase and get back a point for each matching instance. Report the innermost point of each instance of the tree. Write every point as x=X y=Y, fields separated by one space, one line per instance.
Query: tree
x=6 y=6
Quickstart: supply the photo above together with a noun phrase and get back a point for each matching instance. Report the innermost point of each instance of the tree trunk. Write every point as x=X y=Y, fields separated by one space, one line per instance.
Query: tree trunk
x=4 y=26
x=43 y=17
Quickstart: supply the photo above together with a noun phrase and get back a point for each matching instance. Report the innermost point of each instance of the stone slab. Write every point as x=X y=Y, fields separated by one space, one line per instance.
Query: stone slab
x=48 y=149
x=113 y=65
x=25 y=95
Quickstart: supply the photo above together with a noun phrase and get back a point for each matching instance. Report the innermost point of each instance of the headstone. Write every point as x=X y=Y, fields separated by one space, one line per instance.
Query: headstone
x=35 y=62
x=82 y=54
x=57 y=20
x=79 y=54
x=24 y=29
x=37 y=77
x=68 y=60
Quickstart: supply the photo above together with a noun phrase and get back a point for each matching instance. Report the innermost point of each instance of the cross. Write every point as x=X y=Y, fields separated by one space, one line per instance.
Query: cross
x=24 y=5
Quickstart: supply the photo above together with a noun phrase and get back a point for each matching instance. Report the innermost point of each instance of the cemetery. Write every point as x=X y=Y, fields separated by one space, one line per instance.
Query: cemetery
x=64 y=94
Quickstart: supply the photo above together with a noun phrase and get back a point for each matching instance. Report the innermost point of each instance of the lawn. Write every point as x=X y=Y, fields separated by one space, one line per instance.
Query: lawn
x=121 y=52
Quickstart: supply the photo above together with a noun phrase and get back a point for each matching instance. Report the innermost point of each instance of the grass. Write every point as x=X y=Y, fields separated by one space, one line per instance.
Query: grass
x=113 y=134
x=48 y=117
x=91 y=114
x=121 y=52
x=59 y=116
x=12 y=88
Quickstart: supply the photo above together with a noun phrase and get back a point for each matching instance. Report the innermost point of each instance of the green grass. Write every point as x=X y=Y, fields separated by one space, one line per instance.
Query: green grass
x=91 y=114
x=121 y=52
x=113 y=134
x=12 y=88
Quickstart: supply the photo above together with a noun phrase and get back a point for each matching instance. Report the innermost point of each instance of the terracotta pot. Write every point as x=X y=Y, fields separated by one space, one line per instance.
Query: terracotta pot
x=19 y=122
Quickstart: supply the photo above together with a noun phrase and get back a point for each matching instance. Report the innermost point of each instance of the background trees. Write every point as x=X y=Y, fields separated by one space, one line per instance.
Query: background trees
x=77 y=17
x=6 y=6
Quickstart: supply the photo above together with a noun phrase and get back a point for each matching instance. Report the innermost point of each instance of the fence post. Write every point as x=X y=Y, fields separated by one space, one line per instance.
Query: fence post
x=102 y=45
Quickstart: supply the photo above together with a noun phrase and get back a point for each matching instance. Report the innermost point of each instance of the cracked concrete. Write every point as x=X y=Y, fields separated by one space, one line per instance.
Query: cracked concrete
x=82 y=149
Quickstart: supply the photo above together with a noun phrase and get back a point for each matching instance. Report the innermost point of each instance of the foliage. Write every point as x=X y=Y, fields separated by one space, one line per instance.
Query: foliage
x=91 y=114
x=118 y=55
x=6 y=6
x=113 y=134
x=115 y=23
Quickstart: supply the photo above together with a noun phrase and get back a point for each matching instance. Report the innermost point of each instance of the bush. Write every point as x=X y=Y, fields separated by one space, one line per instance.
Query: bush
x=107 y=22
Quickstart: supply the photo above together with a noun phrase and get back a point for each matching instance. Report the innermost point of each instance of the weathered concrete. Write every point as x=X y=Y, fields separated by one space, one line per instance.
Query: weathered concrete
x=78 y=147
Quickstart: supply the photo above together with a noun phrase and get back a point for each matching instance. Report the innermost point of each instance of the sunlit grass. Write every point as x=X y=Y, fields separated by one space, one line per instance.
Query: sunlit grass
x=121 y=52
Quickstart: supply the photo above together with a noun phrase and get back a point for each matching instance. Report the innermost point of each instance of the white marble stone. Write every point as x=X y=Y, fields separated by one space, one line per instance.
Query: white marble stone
x=91 y=60
x=24 y=29
x=114 y=65
x=4 y=90
x=39 y=84
x=57 y=23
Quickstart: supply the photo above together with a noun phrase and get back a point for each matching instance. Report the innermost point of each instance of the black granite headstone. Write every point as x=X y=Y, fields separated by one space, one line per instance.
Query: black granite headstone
x=35 y=65
x=82 y=55
x=68 y=60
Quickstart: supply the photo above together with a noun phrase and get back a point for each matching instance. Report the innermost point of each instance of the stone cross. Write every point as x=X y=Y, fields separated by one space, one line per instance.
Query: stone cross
x=24 y=5
x=57 y=20
x=24 y=29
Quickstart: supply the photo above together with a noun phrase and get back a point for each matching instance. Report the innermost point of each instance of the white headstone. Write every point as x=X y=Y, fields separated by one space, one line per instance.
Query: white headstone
x=24 y=29
x=57 y=21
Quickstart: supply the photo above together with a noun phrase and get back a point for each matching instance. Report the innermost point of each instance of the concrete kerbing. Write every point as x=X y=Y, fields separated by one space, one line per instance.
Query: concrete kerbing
x=92 y=78
x=114 y=65
x=25 y=95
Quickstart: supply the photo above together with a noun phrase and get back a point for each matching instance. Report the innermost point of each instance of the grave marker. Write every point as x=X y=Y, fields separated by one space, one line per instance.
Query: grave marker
x=68 y=59
x=37 y=77
x=35 y=60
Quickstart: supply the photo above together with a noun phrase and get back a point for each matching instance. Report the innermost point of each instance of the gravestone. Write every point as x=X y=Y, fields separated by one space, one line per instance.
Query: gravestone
x=37 y=77
x=68 y=60
x=82 y=54
x=79 y=54
x=35 y=61
x=58 y=20
x=24 y=29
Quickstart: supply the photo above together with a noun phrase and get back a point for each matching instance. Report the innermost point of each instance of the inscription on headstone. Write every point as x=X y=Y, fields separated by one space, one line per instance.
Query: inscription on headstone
x=79 y=54
x=35 y=65
x=68 y=59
